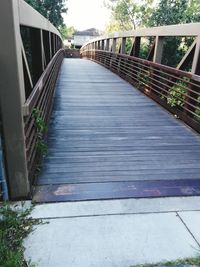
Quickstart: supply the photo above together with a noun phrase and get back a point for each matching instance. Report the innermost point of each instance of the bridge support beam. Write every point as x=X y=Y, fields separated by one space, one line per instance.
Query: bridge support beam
x=108 y=45
x=158 y=51
x=196 y=60
x=96 y=45
x=12 y=97
x=123 y=46
x=114 y=44
x=135 y=50
x=102 y=45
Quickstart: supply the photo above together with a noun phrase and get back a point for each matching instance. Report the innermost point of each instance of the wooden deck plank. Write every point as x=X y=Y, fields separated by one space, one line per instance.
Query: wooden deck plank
x=104 y=130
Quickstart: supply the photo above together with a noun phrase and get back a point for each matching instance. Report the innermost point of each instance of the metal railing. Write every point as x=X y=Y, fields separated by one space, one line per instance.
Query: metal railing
x=175 y=89
x=41 y=99
x=30 y=57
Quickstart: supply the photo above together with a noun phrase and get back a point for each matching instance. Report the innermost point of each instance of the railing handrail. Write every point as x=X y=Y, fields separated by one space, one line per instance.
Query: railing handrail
x=176 y=90
x=189 y=29
x=29 y=17
x=190 y=75
x=117 y=41
x=30 y=63
x=32 y=99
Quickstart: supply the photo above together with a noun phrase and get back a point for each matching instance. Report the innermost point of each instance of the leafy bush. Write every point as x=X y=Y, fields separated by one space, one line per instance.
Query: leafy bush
x=176 y=95
x=143 y=77
x=41 y=129
x=15 y=225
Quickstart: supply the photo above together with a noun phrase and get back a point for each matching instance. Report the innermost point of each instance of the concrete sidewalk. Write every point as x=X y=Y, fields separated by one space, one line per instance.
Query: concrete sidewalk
x=115 y=233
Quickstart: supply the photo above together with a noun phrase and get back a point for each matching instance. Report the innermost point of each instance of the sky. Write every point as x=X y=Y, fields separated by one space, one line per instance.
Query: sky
x=85 y=14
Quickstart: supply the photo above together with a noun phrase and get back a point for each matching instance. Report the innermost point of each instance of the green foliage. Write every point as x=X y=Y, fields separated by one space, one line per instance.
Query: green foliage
x=113 y=26
x=128 y=14
x=15 y=225
x=145 y=45
x=124 y=13
x=41 y=129
x=144 y=77
x=39 y=122
x=50 y=9
x=187 y=261
x=176 y=95
x=131 y=14
x=129 y=42
x=172 y=52
x=169 y=12
x=66 y=32
x=42 y=147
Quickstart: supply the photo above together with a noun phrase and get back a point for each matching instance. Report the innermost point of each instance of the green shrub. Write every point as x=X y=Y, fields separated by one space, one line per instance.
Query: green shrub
x=15 y=225
x=41 y=129
x=176 y=95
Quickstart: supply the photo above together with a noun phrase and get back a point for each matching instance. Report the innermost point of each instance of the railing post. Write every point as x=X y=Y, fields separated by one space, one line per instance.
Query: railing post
x=102 y=45
x=50 y=44
x=196 y=59
x=114 y=45
x=12 y=97
x=54 y=43
x=195 y=70
x=107 y=44
x=158 y=51
x=42 y=50
x=123 y=46
x=98 y=45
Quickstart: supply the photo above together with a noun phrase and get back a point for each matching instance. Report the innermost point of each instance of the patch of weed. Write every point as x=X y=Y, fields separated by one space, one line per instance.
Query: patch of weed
x=15 y=225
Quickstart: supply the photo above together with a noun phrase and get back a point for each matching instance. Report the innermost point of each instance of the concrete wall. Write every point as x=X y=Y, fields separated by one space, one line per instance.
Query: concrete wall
x=72 y=53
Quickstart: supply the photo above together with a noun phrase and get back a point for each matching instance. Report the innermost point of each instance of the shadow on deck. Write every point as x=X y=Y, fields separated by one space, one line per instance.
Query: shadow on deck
x=107 y=140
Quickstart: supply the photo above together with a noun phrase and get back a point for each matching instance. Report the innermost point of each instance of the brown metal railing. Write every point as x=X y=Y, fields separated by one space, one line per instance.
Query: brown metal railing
x=41 y=99
x=31 y=55
x=176 y=90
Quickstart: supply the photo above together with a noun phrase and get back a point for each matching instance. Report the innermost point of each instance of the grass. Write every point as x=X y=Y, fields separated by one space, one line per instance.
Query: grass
x=15 y=225
x=187 y=261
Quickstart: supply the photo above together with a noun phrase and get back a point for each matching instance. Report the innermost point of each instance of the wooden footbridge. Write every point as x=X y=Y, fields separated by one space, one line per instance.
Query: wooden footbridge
x=118 y=126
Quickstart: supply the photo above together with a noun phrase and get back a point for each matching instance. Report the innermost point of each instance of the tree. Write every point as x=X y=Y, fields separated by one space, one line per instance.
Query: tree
x=128 y=14
x=131 y=14
x=67 y=32
x=51 y=9
x=169 y=12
